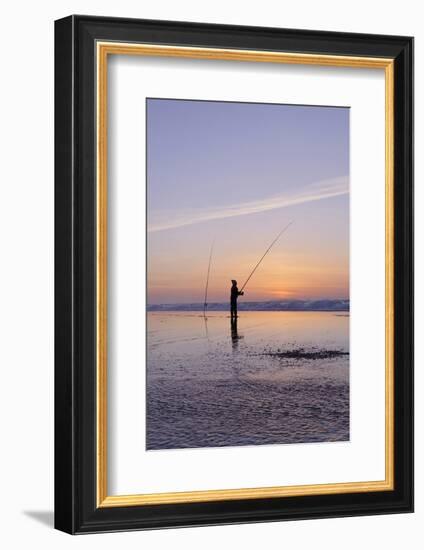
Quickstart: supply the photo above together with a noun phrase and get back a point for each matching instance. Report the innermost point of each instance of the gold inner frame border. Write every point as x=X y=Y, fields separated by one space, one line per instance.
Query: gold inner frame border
x=103 y=50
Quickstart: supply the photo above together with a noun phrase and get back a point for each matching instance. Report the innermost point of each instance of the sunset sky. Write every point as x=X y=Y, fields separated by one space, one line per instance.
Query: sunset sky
x=236 y=174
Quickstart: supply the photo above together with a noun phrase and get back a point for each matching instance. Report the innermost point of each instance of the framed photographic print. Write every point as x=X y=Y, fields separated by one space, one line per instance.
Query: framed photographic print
x=233 y=272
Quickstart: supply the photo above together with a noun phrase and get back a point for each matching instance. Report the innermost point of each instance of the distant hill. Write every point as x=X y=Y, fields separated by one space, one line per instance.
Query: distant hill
x=280 y=305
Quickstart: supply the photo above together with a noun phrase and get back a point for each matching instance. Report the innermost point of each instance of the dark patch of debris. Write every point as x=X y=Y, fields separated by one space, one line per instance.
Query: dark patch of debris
x=306 y=354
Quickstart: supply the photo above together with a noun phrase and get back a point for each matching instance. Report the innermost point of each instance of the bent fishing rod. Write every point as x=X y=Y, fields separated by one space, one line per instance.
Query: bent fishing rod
x=266 y=252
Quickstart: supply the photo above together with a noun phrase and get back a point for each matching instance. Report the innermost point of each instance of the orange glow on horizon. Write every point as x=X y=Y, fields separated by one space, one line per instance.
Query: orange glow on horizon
x=275 y=280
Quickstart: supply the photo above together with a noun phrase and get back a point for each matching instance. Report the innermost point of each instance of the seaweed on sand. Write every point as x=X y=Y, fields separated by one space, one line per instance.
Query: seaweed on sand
x=301 y=353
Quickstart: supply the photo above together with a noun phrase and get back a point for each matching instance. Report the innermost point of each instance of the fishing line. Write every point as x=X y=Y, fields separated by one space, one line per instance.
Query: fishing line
x=266 y=252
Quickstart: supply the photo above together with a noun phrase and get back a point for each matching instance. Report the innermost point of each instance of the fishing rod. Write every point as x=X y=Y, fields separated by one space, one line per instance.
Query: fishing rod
x=205 y=304
x=266 y=252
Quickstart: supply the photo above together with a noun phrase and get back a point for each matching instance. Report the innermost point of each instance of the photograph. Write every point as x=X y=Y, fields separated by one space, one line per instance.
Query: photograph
x=233 y=268
x=247 y=298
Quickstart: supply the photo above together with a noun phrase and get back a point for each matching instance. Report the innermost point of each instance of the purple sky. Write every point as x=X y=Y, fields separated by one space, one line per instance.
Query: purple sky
x=237 y=173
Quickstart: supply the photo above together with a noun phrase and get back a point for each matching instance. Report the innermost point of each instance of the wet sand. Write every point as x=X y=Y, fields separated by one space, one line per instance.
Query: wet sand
x=274 y=378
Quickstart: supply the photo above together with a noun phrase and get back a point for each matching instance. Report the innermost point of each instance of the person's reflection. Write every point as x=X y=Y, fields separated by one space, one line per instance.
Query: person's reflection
x=235 y=337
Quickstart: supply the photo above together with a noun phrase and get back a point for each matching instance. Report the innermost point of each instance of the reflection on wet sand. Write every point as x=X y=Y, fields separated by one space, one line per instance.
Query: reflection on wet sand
x=271 y=377
x=235 y=336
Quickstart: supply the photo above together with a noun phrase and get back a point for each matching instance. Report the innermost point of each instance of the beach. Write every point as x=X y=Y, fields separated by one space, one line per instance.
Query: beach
x=274 y=377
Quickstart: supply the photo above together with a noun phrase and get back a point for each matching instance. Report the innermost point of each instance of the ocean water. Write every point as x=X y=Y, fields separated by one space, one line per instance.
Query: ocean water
x=274 y=378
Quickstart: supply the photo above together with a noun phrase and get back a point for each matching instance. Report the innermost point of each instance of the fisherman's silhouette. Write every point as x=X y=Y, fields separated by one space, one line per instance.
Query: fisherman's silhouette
x=234 y=295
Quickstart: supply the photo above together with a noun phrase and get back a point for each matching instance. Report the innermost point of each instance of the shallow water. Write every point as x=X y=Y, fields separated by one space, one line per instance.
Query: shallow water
x=210 y=384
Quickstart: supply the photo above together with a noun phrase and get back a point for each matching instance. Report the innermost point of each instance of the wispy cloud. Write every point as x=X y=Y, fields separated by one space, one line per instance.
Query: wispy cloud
x=161 y=220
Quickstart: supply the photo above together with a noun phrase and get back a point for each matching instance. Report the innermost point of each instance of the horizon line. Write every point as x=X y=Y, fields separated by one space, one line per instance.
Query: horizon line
x=254 y=301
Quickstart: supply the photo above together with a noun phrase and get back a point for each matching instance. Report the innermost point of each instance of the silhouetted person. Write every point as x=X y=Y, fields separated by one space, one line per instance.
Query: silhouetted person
x=234 y=295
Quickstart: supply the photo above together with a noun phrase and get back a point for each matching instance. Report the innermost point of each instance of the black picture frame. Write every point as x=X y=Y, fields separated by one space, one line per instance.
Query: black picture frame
x=76 y=508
